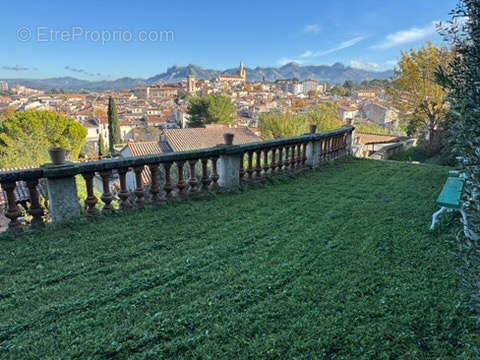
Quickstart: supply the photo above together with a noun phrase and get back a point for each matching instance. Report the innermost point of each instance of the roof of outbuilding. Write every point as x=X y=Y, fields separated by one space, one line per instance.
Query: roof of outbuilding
x=202 y=138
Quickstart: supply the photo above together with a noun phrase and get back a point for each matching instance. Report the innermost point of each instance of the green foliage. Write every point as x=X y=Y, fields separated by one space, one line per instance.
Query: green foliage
x=419 y=154
x=25 y=138
x=114 y=133
x=337 y=263
x=102 y=148
x=370 y=128
x=374 y=84
x=211 y=109
x=415 y=92
x=338 y=90
x=277 y=125
x=461 y=80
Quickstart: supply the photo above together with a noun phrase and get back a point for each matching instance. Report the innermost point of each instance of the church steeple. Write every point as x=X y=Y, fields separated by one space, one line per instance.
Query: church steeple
x=242 y=72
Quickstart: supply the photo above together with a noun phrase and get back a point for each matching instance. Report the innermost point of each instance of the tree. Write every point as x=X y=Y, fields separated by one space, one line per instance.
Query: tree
x=419 y=98
x=102 y=149
x=114 y=133
x=278 y=125
x=338 y=90
x=349 y=87
x=8 y=112
x=210 y=109
x=25 y=138
x=312 y=94
x=325 y=116
x=298 y=104
x=198 y=111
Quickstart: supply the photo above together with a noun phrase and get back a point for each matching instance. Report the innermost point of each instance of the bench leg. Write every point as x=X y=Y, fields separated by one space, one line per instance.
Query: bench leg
x=435 y=216
x=469 y=234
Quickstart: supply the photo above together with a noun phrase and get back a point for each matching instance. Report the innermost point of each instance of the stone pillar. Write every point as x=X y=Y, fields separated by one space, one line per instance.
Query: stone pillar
x=350 y=137
x=62 y=194
x=313 y=154
x=229 y=171
x=229 y=168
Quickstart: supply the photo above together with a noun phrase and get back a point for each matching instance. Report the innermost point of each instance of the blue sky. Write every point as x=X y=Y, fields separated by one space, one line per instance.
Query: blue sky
x=40 y=39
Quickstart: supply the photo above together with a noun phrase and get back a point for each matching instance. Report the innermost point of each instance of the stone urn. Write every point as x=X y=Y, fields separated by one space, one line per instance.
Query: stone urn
x=228 y=138
x=57 y=155
x=313 y=129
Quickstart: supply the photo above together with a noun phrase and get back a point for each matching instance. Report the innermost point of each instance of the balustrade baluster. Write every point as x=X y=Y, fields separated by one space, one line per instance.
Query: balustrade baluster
x=107 y=196
x=332 y=148
x=286 y=162
x=12 y=212
x=214 y=176
x=181 y=183
x=168 y=186
x=292 y=157
x=124 y=194
x=273 y=163
x=242 y=170
x=193 y=181
x=304 y=154
x=139 y=190
x=266 y=166
x=91 y=200
x=155 y=186
x=280 y=159
x=329 y=149
x=250 y=166
x=258 y=168
x=335 y=147
x=299 y=155
x=206 y=181
x=35 y=209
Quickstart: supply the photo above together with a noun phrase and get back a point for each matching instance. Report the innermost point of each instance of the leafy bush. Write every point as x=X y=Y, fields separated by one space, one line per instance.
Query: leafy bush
x=277 y=125
x=370 y=128
x=25 y=138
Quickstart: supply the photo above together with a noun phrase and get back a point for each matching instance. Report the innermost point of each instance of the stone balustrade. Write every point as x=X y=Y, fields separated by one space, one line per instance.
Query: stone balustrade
x=224 y=166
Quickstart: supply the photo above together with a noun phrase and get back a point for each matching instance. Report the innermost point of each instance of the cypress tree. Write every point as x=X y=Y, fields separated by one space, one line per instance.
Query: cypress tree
x=114 y=134
x=102 y=151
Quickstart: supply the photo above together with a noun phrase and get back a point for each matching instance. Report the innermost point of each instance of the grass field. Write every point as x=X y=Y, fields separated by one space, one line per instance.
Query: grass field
x=335 y=264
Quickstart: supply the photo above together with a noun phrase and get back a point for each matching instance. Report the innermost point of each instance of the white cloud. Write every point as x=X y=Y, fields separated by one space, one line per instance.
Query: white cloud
x=406 y=36
x=311 y=29
x=343 y=45
x=372 y=66
x=307 y=54
x=359 y=64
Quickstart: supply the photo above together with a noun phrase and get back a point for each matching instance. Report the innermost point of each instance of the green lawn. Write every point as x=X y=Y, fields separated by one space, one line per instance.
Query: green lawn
x=334 y=264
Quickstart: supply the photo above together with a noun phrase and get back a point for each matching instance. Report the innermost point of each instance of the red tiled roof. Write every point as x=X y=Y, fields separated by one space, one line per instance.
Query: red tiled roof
x=365 y=138
x=141 y=149
x=202 y=138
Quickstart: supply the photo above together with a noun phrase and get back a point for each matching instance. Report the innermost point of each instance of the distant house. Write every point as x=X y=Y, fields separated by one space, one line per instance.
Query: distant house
x=347 y=111
x=143 y=148
x=381 y=114
x=367 y=93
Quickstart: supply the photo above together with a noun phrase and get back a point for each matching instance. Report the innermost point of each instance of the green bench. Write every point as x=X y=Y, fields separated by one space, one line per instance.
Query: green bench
x=450 y=200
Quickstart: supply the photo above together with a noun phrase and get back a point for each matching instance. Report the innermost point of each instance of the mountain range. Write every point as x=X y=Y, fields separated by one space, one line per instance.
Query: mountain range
x=333 y=74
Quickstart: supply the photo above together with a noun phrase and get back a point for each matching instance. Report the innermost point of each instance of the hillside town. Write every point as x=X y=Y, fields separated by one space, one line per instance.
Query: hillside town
x=143 y=112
